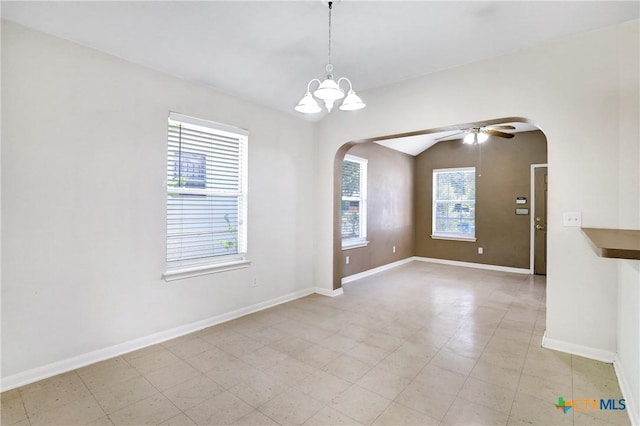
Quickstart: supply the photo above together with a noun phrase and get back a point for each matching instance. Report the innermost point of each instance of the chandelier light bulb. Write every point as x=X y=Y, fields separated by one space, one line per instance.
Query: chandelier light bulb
x=308 y=105
x=352 y=102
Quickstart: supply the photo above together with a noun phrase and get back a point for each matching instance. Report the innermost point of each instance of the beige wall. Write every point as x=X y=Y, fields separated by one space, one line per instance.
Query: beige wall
x=84 y=207
x=390 y=178
x=502 y=174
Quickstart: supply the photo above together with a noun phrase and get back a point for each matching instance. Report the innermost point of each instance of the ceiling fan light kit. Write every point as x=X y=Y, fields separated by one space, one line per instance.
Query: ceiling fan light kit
x=329 y=90
x=475 y=137
x=478 y=135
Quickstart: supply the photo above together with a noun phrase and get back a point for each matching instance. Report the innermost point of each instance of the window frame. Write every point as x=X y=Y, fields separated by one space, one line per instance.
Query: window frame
x=361 y=241
x=451 y=235
x=189 y=267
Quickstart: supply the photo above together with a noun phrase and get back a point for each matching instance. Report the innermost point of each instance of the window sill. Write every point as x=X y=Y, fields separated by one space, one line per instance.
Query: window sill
x=178 y=274
x=355 y=244
x=452 y=238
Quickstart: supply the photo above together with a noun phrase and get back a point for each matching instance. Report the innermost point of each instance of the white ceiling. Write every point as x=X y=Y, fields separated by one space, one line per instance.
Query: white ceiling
x=266 y=51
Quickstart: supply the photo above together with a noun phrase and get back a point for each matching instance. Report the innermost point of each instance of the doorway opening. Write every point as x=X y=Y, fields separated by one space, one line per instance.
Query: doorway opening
x=504 y=209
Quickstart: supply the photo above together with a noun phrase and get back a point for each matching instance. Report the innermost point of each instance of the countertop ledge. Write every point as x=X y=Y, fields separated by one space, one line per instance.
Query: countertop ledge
x=615 y=243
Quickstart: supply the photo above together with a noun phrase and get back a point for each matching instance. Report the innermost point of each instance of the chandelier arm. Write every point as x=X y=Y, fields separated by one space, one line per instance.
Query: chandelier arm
x=312 y=80
x=345 y=79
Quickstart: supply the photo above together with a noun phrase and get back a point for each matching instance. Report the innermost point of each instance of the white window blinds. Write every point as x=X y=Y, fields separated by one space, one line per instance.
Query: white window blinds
x=206 y=193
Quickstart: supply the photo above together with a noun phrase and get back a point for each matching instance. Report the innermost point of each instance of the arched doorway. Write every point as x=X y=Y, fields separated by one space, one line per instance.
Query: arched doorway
x=504 y=239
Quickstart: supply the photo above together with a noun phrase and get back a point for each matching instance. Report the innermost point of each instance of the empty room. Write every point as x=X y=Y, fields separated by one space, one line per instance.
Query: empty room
x=320 y=213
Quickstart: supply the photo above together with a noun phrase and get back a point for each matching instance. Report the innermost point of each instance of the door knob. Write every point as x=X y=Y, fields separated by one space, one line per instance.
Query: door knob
x=540 y=227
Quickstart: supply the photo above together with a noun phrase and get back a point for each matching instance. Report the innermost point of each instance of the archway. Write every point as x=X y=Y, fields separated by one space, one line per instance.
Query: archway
x=338 y=254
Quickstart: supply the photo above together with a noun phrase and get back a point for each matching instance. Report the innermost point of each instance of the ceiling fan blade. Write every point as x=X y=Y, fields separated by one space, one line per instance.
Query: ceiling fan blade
x=501 y=127
x=451 y=135
x=497 y=133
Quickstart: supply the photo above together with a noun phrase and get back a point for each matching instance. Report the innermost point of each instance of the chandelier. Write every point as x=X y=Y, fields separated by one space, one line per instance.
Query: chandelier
x=329 y=90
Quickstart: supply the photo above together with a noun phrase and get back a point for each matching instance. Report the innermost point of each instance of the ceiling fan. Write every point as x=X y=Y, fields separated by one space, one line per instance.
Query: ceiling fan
x=477 y=135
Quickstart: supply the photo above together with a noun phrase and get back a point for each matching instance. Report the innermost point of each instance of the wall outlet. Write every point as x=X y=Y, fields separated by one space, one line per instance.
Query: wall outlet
x=254 y=282
x=346 y=259
x=480 y=250
x=572 y=219
x=394 y=249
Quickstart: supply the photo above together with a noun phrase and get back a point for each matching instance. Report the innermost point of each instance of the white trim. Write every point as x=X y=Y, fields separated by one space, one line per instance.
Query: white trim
x=434 y=184
x=473 y=265
x=69 y=364
x=355 y=159
x=362 y=199
x=452 y=238
x=457 y=169
x=231 y=130
x=329 y=293
x=633 y=410
x=374 y=271
x=188 y=266
x=355 y=244
x=580 y=350
x=179 y=274
x=532 y=209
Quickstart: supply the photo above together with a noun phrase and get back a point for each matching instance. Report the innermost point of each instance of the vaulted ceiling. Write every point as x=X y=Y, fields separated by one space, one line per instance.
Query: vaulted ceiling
x=267 y=51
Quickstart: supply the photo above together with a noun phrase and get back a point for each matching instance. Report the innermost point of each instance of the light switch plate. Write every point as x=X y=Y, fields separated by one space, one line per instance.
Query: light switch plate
x=572 y=219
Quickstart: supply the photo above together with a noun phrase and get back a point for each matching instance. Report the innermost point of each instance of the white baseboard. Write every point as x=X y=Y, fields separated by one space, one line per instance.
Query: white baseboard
x=69 y=364
x=377 y=270
x=473 y=265
x=329 y=293
x=388 y=266
x=579 y=350
x=633 y=409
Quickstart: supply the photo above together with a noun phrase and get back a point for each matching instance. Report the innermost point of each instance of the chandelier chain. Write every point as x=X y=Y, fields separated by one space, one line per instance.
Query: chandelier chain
x=329 y=65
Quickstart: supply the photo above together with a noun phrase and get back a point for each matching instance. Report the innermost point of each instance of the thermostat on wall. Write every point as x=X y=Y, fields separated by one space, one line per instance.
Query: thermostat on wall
x=521 y=200
x=522 y=211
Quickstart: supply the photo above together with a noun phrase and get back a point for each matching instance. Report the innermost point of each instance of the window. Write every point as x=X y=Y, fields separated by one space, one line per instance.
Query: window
x=206 y=197
x=454 y=203
x=354 y=202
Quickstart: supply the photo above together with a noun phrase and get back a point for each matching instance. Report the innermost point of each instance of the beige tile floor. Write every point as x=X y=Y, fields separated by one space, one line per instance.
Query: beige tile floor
x=421 y=344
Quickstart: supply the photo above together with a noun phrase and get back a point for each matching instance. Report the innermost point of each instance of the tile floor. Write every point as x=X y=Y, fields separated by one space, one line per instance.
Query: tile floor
x=422 y=344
